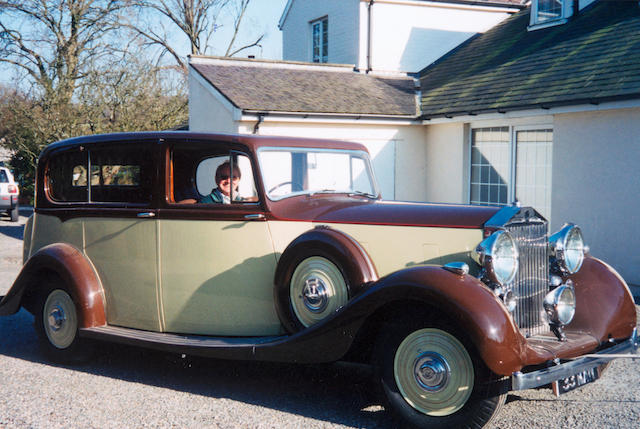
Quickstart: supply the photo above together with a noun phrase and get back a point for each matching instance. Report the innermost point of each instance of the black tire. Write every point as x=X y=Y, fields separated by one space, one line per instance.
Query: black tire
x=56 y=323
x=330 y=290
x=14 y=213
x=468 y=397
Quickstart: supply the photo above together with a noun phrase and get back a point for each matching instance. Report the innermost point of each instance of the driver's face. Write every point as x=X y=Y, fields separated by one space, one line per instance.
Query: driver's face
x=223 y=180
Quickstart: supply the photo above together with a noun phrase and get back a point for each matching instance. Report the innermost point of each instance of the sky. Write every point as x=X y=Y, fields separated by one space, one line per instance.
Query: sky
x=262 y=17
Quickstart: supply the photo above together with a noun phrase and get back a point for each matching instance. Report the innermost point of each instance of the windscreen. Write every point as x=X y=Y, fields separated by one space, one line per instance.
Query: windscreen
x=293 y=171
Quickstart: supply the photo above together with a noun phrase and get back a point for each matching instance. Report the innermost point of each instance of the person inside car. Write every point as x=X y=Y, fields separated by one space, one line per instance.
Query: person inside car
x=224 y=181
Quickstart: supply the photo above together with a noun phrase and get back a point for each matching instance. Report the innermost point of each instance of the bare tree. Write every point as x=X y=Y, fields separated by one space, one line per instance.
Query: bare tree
x=240 y=9
x=53 y=40
x=198 y=20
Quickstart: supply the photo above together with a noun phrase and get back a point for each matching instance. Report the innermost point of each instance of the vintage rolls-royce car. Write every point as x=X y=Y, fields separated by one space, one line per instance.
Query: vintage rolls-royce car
x=280 y=249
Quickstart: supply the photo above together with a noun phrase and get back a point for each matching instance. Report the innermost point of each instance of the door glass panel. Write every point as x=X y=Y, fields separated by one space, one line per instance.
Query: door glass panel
x=490 y=166
x=533 y=169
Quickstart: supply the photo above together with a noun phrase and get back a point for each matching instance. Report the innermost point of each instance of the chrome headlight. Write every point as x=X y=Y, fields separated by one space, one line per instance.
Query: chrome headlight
x=567 y=249
x=560 y=304
x=498 y=256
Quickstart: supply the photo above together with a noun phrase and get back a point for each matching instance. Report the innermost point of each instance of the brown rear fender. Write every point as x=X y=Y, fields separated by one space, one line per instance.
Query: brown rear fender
x=340 y=248
x=75 y=271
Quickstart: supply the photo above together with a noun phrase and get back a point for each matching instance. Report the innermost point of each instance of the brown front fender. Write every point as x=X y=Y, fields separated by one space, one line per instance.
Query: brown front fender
x=75 y=271
x=604 y=303
x=465 y=301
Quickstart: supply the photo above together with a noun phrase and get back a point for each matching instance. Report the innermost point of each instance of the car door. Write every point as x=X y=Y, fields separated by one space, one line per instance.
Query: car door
x=217 y=261
x=120 y=231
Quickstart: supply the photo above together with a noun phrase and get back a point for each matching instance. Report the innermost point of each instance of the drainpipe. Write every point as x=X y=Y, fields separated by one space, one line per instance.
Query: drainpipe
x=576 y=8
x=256 y=127
x=369 y=14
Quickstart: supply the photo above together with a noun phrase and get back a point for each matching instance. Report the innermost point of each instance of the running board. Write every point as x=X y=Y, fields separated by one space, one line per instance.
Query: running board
x=219 y=347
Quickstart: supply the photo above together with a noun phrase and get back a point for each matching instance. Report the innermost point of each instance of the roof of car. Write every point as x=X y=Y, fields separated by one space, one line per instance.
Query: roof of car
x=253 y=142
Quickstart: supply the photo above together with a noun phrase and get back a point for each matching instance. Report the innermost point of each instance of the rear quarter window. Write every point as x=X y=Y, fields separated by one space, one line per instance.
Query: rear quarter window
x=4 y=178
x=120 y=173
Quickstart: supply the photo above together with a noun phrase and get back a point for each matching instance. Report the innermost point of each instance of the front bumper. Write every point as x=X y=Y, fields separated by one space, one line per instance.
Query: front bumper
x=523 y=381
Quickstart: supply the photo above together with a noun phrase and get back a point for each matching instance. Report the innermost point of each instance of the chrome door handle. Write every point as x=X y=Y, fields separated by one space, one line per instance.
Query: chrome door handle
x=146 y=214
x=256 y=216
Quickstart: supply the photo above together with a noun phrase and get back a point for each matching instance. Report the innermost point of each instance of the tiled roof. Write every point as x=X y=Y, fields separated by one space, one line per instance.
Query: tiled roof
x=305 y=88
x=594 y=57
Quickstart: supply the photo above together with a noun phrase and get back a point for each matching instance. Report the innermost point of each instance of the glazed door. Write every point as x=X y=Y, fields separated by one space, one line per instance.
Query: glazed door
x=217 y=262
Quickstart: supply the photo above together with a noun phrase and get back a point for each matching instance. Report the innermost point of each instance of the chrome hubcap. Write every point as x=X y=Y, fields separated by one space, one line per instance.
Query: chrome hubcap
x=316 y=290
x=57 y=318
x=314 y=295
x=431 y=371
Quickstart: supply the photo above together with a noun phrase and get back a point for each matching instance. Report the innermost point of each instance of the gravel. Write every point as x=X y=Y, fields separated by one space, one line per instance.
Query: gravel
x=130 y=387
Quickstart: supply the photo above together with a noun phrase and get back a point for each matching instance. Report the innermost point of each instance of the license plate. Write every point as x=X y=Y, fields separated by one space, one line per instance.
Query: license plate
x=577 y=380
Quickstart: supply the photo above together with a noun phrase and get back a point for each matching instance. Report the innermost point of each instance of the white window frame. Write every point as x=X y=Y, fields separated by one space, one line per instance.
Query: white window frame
x=535 y=23
x=513 y=150
x=324 y=48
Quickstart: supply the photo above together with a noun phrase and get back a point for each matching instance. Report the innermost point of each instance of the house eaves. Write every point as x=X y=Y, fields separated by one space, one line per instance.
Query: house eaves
x=592 y=59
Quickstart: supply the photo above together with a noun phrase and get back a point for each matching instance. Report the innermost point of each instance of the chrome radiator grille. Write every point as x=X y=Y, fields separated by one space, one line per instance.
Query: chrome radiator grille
x=532 y=281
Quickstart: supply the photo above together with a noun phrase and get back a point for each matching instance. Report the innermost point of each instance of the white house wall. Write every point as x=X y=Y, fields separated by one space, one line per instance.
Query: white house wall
x=596 y=182
x=408 y=36
x=397 y=152
x=446 y=163
x=207 y=112
x=343 y=30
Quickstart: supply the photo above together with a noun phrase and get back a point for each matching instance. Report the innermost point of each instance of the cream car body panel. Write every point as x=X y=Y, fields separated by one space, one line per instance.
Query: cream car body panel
x=52 y=230
x=124 y=254
x=284 y=232
x=392 y=248
x=217 y=278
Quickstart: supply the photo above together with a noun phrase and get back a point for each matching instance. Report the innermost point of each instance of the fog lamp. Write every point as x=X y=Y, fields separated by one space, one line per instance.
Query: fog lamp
x=560 y=305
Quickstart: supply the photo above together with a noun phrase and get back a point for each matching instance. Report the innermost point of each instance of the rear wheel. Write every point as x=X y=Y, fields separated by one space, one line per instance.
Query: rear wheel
x=430 y=379
x=57 y=323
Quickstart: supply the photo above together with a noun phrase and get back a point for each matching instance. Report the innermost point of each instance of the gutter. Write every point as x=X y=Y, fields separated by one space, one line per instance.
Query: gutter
x=594 y=101
x=311 y=115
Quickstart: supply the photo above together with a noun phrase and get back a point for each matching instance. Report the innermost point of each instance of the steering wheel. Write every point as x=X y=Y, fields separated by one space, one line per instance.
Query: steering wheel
x=280 y=185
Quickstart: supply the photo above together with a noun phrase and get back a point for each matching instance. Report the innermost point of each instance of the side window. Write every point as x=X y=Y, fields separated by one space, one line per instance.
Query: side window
x=200 y=176
x=121 y=173
x=67 y=177
x=3 y=176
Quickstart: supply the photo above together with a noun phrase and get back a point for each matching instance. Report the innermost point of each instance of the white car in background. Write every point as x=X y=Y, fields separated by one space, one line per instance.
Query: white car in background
x=9 y=193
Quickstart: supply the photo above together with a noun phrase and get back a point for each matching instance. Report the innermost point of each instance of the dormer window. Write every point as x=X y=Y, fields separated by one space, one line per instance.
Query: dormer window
x=545 y=13
x=320 y=40
x=549 y=10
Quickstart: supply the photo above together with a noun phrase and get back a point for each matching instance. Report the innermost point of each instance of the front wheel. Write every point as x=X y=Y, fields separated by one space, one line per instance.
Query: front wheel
x=56 y=324
x=430 y=379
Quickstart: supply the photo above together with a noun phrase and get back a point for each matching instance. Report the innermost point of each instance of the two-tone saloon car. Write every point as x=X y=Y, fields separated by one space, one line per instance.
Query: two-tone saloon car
x=280 y=249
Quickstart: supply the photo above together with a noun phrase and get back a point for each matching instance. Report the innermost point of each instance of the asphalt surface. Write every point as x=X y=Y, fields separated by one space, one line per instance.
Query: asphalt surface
x=130 y=387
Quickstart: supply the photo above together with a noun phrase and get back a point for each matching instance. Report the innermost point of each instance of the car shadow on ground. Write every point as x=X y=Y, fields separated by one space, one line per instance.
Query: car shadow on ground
x=14 y=229
x=338 y=393
x=11 y=229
